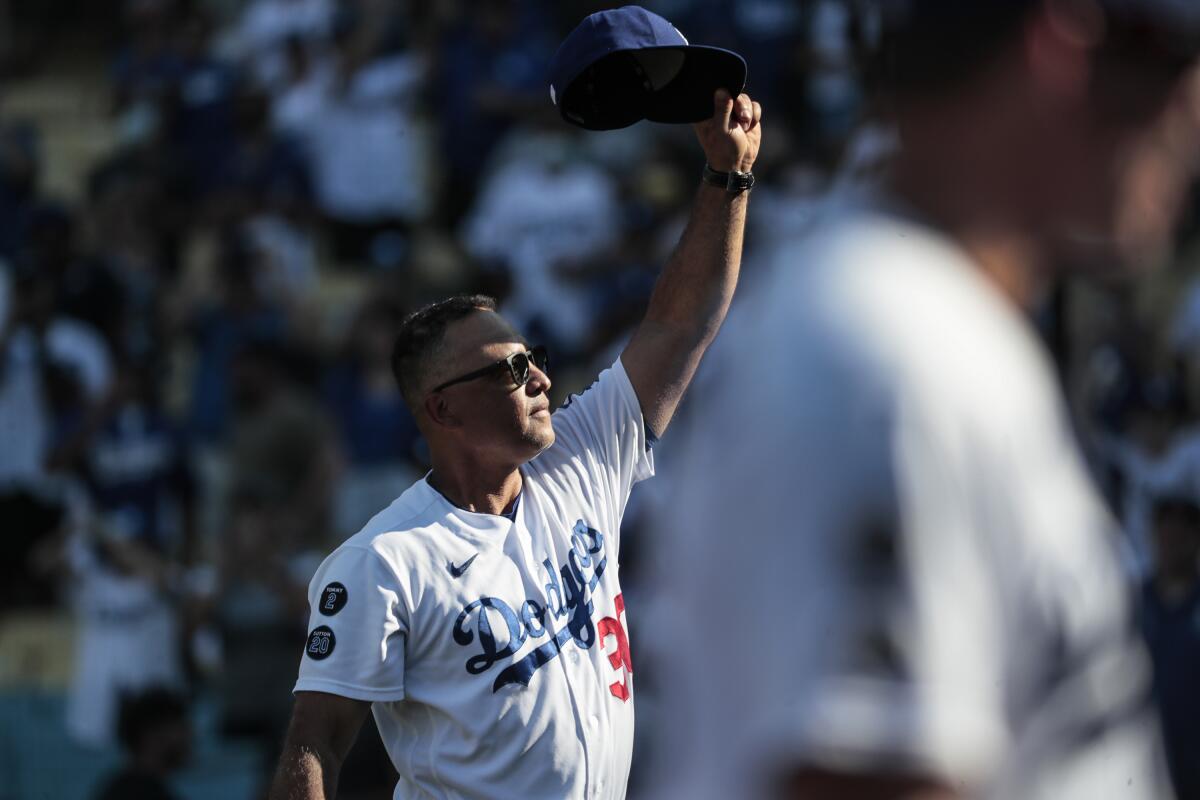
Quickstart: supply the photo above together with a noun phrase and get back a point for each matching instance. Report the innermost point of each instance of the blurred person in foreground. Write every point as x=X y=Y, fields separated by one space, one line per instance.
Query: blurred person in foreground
x=1170 y=614
x=891 y=576
x=479 y=616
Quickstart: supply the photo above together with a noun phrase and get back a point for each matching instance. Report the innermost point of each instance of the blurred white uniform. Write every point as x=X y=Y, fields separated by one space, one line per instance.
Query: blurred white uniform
x=886 y=556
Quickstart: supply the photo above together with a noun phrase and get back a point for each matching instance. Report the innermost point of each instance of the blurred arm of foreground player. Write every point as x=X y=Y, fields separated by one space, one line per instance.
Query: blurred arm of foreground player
x=323 y=728
x=693 y=292
x=813 y=784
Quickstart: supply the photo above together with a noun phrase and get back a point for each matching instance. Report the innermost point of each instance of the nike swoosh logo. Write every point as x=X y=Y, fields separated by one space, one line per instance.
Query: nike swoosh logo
x=457 y=572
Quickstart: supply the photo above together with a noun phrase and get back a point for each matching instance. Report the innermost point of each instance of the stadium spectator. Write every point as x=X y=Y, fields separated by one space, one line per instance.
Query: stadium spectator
x=131 y=235
x=132 y=456
x=127 y=563
x=282 y=462
x=128 y=628
x=490 y=73
x=1171 y=623
x=366 y=154
x=219 y=325
x=146 y=68
x=538 y=212
x=198 y=106
x=32 y=513
x=260 y=36
x=379 y=438
x=55 y=367
x=1146 y=459
x=155 y=733
x=298 y=95
x=19 y=167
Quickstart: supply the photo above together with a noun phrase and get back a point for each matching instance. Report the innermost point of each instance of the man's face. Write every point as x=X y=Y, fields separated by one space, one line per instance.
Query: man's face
x=1124 y=164
x=491 y=415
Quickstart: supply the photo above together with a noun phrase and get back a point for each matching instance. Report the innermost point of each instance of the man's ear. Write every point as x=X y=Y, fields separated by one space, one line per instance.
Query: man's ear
x=441 y=412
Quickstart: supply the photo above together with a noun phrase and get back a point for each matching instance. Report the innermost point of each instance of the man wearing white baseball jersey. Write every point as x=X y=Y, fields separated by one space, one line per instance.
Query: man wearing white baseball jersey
x=480 y=616
x=890 y=575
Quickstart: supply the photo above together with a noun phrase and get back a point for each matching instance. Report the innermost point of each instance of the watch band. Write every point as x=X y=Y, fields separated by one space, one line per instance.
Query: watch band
x=733 y=182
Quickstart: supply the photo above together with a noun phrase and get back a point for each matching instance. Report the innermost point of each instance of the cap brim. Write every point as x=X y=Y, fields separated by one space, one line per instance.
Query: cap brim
x=614 y=92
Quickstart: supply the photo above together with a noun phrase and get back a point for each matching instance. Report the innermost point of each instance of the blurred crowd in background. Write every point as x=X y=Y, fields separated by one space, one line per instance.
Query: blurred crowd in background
x=197 y=305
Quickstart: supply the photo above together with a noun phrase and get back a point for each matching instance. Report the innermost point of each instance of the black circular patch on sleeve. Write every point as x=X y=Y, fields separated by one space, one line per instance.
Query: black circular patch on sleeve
x=333 y=599
x=320 y=643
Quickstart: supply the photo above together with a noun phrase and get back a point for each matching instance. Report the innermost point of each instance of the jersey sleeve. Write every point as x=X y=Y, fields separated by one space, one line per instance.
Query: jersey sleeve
x=358 y=628
x=604 y=430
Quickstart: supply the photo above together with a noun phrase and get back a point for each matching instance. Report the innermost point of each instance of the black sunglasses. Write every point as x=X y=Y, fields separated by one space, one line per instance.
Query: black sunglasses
x=517 y=365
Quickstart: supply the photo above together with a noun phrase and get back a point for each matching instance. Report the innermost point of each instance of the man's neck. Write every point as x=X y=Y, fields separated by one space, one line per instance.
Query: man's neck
x=960 y=169
x=1008 y=261
x=1004 y=253
x=477 y=488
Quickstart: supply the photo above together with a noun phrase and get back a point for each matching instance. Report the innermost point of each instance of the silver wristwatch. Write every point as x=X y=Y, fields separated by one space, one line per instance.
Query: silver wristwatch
x=733 y=182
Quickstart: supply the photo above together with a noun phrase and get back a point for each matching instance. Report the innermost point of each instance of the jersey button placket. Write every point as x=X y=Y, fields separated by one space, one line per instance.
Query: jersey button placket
x=602 y=754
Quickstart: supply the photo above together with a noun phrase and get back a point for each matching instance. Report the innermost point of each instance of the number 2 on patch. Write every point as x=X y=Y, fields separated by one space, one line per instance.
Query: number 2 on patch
x=619 y=658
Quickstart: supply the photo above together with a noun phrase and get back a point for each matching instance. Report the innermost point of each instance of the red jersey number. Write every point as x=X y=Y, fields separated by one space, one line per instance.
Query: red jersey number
x=619 y=657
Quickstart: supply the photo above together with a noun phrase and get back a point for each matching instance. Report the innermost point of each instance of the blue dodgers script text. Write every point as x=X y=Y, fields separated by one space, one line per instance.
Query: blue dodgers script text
x=566 y=599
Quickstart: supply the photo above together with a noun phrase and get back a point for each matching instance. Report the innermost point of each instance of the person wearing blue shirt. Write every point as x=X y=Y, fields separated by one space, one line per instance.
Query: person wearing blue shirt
x=1171 y=624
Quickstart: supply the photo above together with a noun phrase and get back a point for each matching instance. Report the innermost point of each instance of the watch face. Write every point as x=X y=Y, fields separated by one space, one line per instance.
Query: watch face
x=733 y=181
x=740 y=181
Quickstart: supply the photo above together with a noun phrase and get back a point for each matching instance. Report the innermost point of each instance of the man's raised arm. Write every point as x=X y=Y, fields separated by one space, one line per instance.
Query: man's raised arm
x=693 y=292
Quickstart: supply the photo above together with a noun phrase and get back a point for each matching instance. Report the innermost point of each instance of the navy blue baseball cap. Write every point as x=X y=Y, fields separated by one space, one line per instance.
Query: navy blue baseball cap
x=629 y=64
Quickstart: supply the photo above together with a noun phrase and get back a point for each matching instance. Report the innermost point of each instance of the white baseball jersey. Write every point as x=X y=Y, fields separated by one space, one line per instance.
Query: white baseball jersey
x=494 y=650
x=885 y=554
